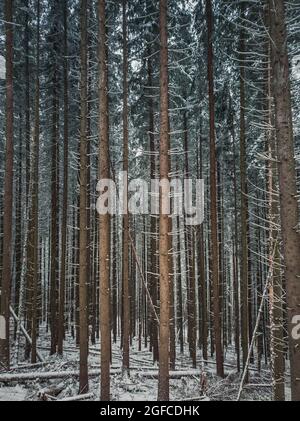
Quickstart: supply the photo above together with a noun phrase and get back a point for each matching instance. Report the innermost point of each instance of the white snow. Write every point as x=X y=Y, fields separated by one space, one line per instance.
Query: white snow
x=2 y=67
x=8 y=394
x=296 y=67
x=26 y=381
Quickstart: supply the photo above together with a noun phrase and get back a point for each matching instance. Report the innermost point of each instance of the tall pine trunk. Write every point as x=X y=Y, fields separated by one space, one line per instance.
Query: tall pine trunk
x=83 y=244
x=35 y=200
x=213 y=199
x=126 y=300
x=164 y=270
x=244 y=204
x=153 y=224
x=289 y=208
x=8 y=191
x=61 y=306
x=104 y=229
x=54 y=188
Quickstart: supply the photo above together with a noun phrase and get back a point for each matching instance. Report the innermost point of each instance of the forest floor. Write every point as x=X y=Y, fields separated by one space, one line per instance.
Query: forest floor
x=27 y=382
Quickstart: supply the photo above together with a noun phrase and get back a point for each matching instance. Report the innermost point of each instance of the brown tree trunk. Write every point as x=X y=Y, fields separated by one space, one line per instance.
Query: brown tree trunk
x=27 y=69
x=18 y=240
x=235 y=263
x=213 y=199
x=202 y=296
x=179 y=292
x=83 y=244
x=276 y=296
x=104 y=229
x=35 y=200
x=153 y=223
x=54 y=193
x=190 y=262
x=164 y=270
x=8 y=189
x=289 y=208
x=244 y=205
x=126 y=301
x=115 y=279
x=61 y=310
x=172 y=304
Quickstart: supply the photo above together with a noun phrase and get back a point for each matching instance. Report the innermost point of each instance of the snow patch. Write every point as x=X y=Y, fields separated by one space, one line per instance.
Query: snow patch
x=16 y=394
x=296 y=67
x=2 y=67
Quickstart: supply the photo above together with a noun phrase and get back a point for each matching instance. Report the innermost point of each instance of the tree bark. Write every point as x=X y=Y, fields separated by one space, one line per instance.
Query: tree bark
x=202 y=296
x=126 y=300
x=35 y=200
x=244 y=204
x=61 y=310
x=54 y=189
x=153 y=224
x=8 y=188
x=213 y=199
x=104 y=229
x=164 y=270
x=289 y=208
x=83 y=244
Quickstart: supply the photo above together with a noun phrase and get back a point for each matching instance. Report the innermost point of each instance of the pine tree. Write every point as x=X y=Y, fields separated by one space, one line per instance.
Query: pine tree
x=126 y=298
x=289 y=210
x=8 y=190
x=83 y=304
x=35 y=199
x=104 y=232
x=213 y=198
x=244 y=204
x=164 y=269
x=62 y=284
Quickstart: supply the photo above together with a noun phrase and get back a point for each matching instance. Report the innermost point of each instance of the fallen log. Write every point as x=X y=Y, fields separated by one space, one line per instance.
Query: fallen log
x=28 y=366
x=25 y=333
x=226 y=365
x=23 y=377
x=48 y=398
x=51 y=392
x=77 y=398
x=197 y=398
x=172 y=374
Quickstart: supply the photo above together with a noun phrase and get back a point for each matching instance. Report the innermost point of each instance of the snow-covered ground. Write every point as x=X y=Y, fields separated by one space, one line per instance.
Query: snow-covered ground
x=185 y=384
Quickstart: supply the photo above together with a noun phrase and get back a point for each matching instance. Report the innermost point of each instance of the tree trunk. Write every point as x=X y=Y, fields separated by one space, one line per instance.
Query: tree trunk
x=244 y=205
x=202 y=296
x=289 y=210
x=213 y=199
x=153 y=224
x=35 y=200
x=8 y=190
x=164 y=270
x=179 y=292
x=235 y=263
x=61 y=311
x=54 y=192
x=126 y=301
x=83 y=244
x=104 y=229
